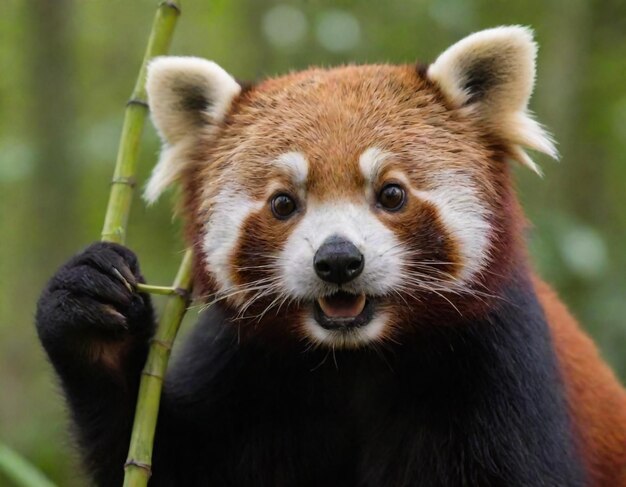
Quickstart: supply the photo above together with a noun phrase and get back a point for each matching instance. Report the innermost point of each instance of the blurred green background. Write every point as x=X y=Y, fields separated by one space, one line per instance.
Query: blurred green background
x=67 y=69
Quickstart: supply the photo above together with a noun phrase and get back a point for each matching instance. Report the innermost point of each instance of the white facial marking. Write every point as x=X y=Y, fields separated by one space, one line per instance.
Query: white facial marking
x=352 y=338
x=230 y=211
x=294 y=164
x=464 y=216
x=381 y=250
x=371 y=162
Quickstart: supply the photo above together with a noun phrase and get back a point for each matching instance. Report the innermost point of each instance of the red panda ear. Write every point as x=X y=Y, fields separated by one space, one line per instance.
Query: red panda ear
x=492 y=74
x=187 y=96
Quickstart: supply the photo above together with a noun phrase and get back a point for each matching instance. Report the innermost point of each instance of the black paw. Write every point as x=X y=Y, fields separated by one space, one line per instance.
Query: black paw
x=94 y=296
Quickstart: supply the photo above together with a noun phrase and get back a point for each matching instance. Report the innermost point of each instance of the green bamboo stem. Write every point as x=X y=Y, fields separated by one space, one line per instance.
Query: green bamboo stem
x=162 y=290
x=123 y=183
x=139 y=463
x=138 y=466
x=19 y=471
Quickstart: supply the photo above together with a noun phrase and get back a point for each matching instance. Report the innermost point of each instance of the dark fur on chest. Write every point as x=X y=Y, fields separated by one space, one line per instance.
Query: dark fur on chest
x=479 y=403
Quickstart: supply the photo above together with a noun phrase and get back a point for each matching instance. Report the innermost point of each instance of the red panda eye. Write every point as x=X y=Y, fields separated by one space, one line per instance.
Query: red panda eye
x=392 y=197
x=283 y=206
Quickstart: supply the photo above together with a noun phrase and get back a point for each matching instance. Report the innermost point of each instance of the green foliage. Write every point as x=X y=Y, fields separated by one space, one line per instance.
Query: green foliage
x=19 y=470
x=66 y=71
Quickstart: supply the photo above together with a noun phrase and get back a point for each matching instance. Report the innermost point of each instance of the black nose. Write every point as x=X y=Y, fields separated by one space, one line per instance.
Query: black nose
x=338 y=260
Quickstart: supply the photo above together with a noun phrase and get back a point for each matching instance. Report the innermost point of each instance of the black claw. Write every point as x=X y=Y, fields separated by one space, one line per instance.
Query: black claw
x=119 y=275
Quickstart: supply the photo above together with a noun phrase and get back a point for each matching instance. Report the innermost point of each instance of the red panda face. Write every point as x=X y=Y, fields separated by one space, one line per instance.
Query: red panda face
x=346 y=206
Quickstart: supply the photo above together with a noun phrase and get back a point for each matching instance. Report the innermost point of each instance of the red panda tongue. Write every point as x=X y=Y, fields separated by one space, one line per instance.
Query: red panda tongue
x=342 y=305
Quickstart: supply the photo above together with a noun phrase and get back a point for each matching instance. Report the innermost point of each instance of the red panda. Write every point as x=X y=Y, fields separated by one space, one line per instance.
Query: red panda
x=373 y=317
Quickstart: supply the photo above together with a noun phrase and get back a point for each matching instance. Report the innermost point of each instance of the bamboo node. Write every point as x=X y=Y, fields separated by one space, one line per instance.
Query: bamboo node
x=117 y=235
x=162 y=343
x=137 y=101
x=183 y=293
x=129 y=181
x=152 y=374
x=145 y=466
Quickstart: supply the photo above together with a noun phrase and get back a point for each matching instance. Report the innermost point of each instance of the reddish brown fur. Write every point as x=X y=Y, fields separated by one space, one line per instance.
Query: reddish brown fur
x=597 y=400
x=397 y=109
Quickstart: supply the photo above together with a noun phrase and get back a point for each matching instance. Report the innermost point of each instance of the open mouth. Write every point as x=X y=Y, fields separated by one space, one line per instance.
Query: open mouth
x=343 y=310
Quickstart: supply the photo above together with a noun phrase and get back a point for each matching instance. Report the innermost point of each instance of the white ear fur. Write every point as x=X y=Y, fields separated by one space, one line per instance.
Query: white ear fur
x=186 y=96
x=492 y=73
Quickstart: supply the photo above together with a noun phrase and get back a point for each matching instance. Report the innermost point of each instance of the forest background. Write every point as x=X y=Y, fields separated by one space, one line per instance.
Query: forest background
x=67 y=68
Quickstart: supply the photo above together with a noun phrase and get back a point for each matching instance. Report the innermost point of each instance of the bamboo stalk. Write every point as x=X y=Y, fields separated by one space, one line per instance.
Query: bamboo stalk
x=139 y=463
x=123 y=183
